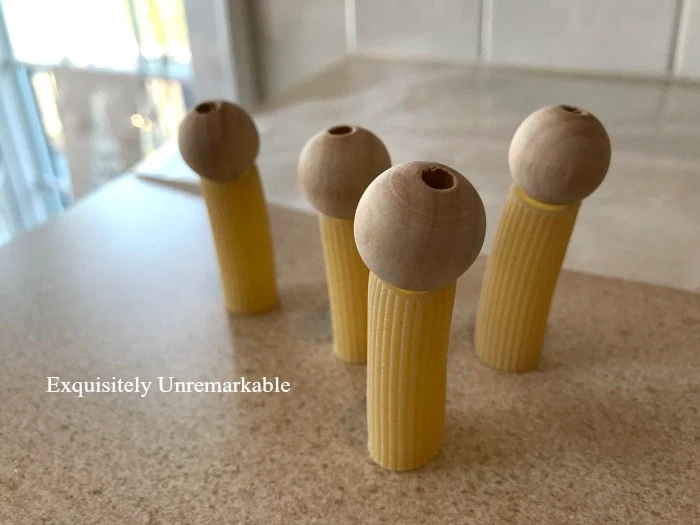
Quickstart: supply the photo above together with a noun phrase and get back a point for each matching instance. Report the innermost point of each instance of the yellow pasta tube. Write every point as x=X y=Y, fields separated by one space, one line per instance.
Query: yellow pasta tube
x=521 y=274
x=558 y=156
x=406 y=376
x=219 y=141
x=419 y=226
x=241 y=230
x=347 y=276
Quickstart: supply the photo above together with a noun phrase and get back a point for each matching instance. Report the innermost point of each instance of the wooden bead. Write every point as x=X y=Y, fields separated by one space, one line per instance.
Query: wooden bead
x=218 y=140
x=420 y=225
x=559 y=154
x=337 y=165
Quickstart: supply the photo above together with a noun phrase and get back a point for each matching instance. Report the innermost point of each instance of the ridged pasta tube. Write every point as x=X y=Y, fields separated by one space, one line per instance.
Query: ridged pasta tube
x=520 y=278
x=347 y=289
x=239 y=223
x=409 y=335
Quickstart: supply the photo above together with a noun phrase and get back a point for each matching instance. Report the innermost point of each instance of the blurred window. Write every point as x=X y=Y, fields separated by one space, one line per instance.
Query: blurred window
x=87 y=89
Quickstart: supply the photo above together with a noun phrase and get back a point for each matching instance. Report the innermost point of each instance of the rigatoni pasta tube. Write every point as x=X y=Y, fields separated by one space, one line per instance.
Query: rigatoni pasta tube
x=347 y=276
x=219 y=141
x=521 y=274
x=558 y=156
x=335 y=168
x=239 y=223
x=419 y=226
x=409 y=335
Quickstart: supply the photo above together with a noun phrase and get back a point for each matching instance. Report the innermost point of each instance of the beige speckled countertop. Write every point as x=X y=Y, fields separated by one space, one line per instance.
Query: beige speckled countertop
x=125 y=284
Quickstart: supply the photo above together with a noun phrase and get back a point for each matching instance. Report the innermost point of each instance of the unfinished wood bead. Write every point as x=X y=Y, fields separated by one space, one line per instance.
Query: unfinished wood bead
x=337 y=165
x=420 y=225
x=218 y=140
x=559 y=154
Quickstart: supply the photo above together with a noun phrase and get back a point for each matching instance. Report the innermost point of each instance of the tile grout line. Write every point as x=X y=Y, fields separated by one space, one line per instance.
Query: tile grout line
x=350 y=27
x=678 y=35
x=485 y=29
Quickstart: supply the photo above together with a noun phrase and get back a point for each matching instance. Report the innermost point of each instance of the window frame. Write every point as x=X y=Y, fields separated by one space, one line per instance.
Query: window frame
x=222 y=50
x=221 y=67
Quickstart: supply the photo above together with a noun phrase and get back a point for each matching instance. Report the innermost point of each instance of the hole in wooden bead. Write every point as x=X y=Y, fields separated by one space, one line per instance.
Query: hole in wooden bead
x=341 y=130
x=574 y=110
x=206 y=107
x=438 y=179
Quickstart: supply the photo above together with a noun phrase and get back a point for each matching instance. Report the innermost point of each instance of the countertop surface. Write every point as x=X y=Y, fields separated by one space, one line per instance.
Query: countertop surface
x=125 y=285
x=642 y=223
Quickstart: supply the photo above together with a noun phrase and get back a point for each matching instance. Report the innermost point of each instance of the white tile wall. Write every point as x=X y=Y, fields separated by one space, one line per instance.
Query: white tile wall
x=687 y=63
x=293 y=39
x=620 y=36
x=438 y=29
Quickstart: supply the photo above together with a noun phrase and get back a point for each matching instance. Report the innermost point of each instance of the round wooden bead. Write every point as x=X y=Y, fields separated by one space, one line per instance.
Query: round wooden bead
x=559 y=154
x=337 y=165
x=420 y=225
x=218 y=140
